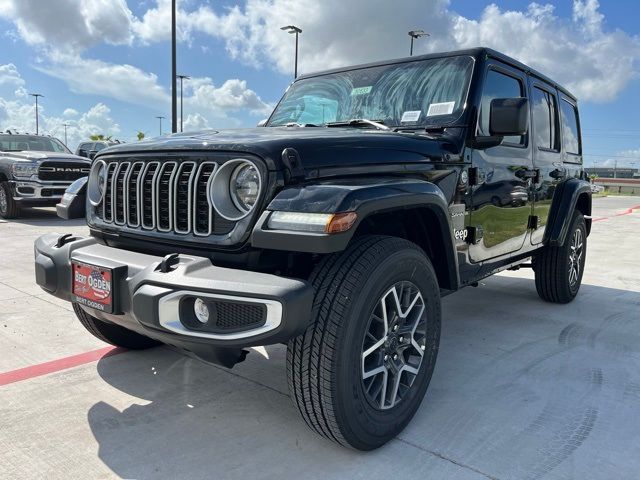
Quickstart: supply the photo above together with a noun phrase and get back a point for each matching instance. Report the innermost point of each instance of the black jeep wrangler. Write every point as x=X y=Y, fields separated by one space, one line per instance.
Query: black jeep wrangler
x=371 y=192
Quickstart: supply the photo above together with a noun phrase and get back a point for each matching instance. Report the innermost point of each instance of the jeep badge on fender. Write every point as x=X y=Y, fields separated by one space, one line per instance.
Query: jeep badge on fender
x=369 y=193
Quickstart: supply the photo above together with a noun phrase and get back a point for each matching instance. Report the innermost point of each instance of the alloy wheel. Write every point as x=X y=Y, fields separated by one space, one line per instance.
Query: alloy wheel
x=575 y=257
x=393 y=346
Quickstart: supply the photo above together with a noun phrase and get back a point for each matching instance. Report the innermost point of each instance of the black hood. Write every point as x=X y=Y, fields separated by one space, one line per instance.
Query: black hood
x=317 y=147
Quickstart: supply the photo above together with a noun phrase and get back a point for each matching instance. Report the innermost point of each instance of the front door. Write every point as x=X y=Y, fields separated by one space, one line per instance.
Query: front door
x=501 y=203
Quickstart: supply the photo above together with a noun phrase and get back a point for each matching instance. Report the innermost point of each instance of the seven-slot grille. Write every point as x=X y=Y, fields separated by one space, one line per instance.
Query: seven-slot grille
x=165 y=197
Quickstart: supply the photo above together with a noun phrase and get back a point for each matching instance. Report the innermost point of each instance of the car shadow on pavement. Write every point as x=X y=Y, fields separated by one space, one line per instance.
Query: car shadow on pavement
x=46 y=217
x=521 y=386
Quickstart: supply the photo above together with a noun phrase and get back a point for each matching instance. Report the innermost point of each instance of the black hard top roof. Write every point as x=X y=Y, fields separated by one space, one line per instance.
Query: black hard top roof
x=477 y=53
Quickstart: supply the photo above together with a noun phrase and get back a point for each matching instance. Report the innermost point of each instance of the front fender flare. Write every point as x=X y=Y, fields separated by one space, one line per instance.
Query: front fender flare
x=361 y=197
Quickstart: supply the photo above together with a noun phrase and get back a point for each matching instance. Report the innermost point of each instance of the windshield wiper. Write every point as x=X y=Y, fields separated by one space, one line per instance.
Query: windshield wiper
x=354 y=122
x=295 y=124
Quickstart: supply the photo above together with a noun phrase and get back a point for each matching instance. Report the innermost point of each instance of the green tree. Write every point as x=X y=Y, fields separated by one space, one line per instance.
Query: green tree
x=140 y=136
x=98 y=137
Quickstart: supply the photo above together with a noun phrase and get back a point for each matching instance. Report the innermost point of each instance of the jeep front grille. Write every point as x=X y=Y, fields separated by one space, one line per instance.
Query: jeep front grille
x=164 y=197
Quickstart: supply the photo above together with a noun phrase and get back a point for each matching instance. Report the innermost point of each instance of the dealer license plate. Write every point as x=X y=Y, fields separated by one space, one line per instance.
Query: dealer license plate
x=93 y=286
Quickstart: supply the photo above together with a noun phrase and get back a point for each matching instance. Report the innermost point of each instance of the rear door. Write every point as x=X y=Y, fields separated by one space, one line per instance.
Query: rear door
x=500 y=199
x=547 y=158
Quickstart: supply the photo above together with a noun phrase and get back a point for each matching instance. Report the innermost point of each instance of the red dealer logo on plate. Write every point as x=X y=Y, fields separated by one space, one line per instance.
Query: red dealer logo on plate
x=92 y=286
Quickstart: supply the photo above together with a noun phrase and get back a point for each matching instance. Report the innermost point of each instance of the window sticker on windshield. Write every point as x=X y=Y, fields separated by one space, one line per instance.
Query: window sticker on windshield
x=361 y=90
x=444 y=108
x=411 y=116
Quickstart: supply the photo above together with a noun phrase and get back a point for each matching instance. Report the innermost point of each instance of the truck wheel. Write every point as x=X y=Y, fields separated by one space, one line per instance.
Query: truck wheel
x=359 y=372
x=113 y=334
x=8 y=206
x=558 y=270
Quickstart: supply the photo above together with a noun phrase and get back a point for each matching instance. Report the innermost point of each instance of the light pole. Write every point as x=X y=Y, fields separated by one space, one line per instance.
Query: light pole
x=416 y=34
x=174 y=106
x=293 y=29
x=65 y=125
x=36 y=95
x=182 y=77
x=160 y=118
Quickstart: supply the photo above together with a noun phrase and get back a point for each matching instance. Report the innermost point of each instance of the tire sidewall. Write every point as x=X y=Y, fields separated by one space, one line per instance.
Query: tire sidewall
x=373 y=426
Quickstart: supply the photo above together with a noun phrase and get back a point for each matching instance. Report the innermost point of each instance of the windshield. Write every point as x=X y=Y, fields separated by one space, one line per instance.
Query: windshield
x=418 y=93
x=36 y=143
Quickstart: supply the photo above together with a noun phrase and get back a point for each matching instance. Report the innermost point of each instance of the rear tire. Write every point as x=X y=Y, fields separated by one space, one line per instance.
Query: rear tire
x=558 y=270
x=9 y=208
x=113 y=334
x=331 y=366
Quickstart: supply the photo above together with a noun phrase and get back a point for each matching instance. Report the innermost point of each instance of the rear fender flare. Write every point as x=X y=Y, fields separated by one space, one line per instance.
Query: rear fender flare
x=569 y=195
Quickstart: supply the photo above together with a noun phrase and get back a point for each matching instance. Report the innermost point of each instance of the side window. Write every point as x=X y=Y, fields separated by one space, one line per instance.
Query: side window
x=545 y=119
x=99 y=146
x=570 y=133
x=498 y=85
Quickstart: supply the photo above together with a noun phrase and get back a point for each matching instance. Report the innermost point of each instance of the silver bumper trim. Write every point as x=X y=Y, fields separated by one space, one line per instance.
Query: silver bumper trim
x=169 y=315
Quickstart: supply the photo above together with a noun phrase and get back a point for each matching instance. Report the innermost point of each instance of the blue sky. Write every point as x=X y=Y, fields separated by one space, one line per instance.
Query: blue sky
x=103 y=66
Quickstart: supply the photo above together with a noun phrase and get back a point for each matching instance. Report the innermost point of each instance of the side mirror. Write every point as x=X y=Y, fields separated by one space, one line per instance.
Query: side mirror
x=262 y=122
x=509 y=116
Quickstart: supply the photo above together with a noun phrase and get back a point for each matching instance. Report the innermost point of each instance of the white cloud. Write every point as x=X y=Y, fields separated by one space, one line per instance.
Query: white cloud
x=596 y=64
x=69 y=24
x=120 y=81
x=17 y=112
x=195 y=121
x=231 y=96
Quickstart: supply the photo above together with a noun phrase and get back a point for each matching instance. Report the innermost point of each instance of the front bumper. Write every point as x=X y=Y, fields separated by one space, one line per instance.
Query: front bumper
x=36 y=192
x=148 y=301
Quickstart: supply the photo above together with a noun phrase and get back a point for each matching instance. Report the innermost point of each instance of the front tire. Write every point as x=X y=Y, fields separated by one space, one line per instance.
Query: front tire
x=376 y=329
x=558 y=270
x=112 y=333
x=9 y=208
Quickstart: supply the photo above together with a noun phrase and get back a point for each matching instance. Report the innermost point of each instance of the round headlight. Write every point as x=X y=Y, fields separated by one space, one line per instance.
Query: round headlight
x=96 y=183
x=235 y=189
x=244 y=186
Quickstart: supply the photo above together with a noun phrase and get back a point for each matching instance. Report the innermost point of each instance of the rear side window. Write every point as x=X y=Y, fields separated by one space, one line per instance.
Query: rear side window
x=545 y=119
x=570 y=134
x=498 y=85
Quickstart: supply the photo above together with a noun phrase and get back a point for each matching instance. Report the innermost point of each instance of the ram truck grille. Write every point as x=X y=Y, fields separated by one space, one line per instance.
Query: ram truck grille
x=166 y=196
x=61 y=171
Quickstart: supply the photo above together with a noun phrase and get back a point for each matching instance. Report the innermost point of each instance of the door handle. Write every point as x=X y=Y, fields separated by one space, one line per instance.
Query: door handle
x=525 y=173
x=557 y=174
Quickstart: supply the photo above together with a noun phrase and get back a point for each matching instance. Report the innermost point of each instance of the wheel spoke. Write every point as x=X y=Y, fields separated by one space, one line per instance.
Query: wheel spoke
x=374 y=371
x=394 y=389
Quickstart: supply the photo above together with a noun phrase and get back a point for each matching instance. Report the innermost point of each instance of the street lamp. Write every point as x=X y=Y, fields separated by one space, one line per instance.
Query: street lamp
x=293 y=29
x=182 y=77
x=174 y=109
x=65 y=125
x=36 y=95
x=160 y=118
x=416 y=34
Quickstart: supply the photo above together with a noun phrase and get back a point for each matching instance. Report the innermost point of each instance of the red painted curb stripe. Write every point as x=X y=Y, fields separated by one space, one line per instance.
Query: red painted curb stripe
x=626 y=212
x=57 y=365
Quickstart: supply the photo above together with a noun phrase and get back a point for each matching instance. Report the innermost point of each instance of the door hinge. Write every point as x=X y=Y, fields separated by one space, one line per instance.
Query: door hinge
x=473 y=176
x=532 y=224
x=474 y=234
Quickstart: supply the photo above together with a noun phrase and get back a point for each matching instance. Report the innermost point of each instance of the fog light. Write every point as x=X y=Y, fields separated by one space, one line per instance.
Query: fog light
x=201 y=310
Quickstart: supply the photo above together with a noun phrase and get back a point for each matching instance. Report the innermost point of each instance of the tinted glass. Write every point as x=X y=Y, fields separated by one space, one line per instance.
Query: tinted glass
x=570 y=134
x=19 y=143
x=545 y=119
x=422 y=92
x=498 y=85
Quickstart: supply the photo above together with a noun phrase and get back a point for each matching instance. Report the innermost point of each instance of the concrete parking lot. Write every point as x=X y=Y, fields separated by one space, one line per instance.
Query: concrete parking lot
x=522 y=389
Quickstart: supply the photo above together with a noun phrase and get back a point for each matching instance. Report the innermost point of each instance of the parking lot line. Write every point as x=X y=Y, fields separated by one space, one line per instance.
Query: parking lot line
x=626 y=212
x=65 y=363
